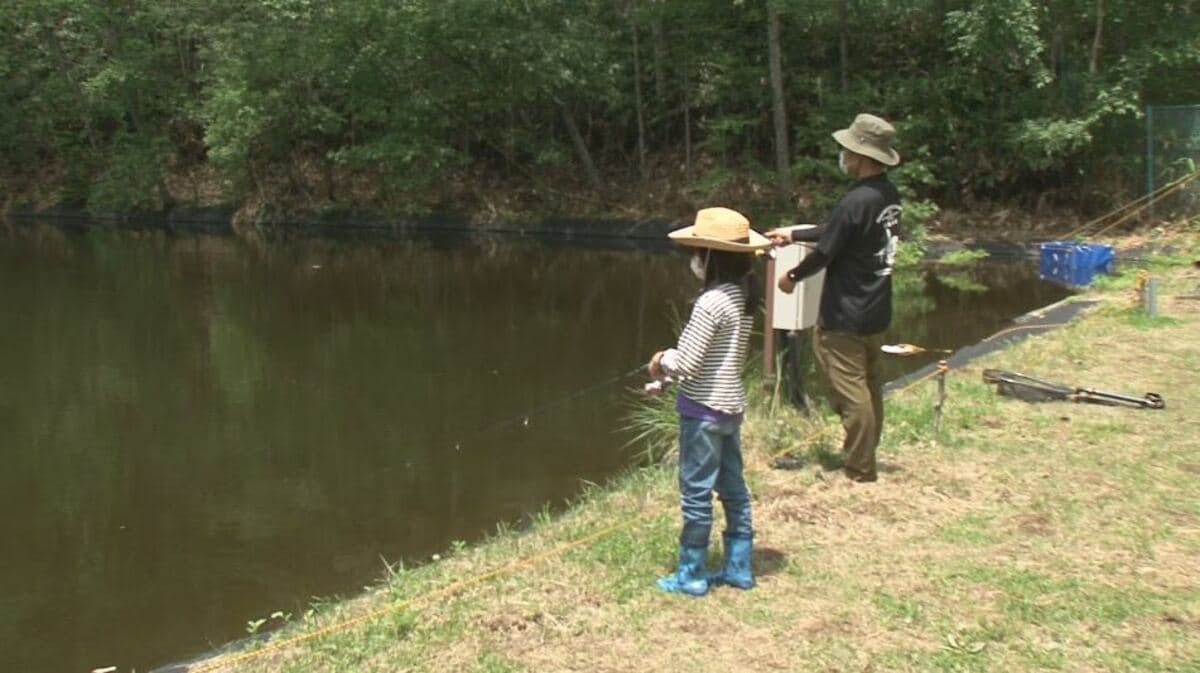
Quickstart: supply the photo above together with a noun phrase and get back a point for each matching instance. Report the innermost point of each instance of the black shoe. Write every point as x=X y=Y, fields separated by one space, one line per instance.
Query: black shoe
x=787 y=462
x=859 y=477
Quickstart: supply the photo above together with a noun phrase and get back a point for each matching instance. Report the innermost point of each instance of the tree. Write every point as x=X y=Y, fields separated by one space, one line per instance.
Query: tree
x=309 y=103
x=782 y=159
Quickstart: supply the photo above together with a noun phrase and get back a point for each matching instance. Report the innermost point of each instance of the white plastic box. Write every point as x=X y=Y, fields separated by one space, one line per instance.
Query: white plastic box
x=798 y=310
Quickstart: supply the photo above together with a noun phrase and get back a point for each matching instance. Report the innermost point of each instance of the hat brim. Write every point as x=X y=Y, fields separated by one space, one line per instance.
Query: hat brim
x=847 y=140
x=687 y=236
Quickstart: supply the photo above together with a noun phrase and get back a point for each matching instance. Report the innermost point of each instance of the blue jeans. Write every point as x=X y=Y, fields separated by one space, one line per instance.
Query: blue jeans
x=710 y=458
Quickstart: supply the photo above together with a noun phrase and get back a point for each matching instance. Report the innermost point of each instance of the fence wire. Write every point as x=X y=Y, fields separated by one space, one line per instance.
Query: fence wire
x=1172 y=152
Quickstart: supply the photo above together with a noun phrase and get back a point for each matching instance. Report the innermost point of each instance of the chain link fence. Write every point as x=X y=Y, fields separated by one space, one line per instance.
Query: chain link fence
x=1172 y=153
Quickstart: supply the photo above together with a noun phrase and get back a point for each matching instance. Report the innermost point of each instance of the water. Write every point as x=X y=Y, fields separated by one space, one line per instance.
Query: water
x=198 y=431
x=947 y=308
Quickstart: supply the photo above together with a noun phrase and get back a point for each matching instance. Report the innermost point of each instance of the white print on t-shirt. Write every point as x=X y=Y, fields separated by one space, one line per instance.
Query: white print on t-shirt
x=890 y=219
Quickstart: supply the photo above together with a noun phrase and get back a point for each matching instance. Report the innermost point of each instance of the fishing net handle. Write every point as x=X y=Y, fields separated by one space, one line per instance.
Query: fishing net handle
x=1035 y=390
x=1147 y=401
x=1004 y=377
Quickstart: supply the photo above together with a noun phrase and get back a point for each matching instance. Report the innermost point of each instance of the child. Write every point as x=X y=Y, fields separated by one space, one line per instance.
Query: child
x=708 y=362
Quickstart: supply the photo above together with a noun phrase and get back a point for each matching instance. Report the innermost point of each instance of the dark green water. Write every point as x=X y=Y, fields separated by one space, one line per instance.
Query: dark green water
x=198 y=431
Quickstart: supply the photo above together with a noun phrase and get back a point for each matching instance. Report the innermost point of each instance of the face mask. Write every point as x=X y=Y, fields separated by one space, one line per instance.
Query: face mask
x=842 y=162
x=698 y=266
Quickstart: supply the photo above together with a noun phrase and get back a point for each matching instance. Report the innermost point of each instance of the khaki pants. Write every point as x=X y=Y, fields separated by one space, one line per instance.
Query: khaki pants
x=855 y=386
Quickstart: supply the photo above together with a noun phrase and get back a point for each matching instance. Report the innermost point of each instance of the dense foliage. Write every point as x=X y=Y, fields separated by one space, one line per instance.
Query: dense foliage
x=435 y=103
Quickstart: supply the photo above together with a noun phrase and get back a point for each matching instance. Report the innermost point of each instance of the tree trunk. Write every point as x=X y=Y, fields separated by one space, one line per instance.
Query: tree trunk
x=1056 y=53
x=687 y=117
x=687 y=129
x=637 y=101
x=581 y=149
x=782 y=163
x=1094 y=61
x=843 y=46
x=660 y=55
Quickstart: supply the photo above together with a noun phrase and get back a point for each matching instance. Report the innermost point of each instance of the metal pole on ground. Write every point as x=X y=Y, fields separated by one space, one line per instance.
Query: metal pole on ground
x=1150 y=160
x=943 y=367
x=769 y=325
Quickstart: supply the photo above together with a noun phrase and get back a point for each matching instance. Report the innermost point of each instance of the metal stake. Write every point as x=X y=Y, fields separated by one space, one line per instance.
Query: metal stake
x=769 y=372
x=941 y=398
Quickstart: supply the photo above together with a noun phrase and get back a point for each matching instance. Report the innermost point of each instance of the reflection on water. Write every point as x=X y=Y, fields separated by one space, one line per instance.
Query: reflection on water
x=951 y=308
x=198 y=432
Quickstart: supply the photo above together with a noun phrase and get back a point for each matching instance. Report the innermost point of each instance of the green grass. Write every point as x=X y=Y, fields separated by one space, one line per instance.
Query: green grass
x=653 y=425
x=1141 y=320
x=899 y=610
x=972 y=529
x=493 y=663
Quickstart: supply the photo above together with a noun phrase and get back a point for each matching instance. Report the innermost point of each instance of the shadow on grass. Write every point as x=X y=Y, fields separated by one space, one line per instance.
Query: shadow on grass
x=828 y=459
x=767 y=561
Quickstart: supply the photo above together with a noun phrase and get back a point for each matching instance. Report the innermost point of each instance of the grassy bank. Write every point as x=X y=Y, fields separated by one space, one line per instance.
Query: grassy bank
x=1024 y=537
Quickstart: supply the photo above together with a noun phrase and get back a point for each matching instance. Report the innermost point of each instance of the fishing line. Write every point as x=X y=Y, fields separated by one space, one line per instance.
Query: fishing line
x=523 y=418
x=445 y=374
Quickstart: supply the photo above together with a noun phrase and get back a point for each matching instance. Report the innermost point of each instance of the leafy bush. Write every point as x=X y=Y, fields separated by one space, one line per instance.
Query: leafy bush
x=133 y=179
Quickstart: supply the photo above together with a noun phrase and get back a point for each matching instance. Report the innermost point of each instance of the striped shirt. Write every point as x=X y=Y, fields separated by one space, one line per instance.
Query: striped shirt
x=712 y=350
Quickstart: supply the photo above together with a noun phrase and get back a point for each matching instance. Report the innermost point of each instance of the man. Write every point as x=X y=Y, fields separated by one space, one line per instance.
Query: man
x=856 y=247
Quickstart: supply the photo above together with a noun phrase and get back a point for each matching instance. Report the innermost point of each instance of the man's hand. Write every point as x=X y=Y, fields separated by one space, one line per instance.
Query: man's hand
x=779 y=237
x=786 y=284
x=654 y=367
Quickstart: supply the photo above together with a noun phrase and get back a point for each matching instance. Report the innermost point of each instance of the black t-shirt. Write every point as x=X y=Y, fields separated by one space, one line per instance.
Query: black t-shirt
x=860 y=242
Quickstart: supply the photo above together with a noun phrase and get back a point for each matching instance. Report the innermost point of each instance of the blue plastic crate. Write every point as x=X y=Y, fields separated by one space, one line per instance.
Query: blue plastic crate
x=1075 y=264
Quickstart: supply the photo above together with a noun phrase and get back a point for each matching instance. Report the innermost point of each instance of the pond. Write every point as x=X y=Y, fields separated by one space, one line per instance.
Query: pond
x=201 y=430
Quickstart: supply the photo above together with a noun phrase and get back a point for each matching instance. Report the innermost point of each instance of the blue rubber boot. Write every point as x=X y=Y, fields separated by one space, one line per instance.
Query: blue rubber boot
x=690 y=577
x=736 y=571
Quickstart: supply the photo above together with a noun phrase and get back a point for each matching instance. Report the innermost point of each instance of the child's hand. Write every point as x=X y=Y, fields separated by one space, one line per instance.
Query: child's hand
x=654 y=367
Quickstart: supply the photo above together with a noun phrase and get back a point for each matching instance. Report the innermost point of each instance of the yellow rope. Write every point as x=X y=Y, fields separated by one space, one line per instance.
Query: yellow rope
x=1172 y=187
x=276 y=646
x=1137 y=205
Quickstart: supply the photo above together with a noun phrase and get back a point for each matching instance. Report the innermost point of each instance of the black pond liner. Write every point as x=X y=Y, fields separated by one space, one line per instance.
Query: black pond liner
x=1035 y=322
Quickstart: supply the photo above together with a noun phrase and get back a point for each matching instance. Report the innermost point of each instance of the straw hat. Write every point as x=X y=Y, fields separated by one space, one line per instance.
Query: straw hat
x=870 y=136
x=721 y=229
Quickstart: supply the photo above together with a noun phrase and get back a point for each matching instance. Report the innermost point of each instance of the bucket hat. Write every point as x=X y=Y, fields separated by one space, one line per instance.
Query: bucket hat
x=870 y=136
x=721 y=229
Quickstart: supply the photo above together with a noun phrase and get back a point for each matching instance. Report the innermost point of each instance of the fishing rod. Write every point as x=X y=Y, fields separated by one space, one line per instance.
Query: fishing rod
x=523 y=418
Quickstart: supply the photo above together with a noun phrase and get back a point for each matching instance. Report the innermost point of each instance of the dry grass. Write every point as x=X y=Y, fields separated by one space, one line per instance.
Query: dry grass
x=1029 y=537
